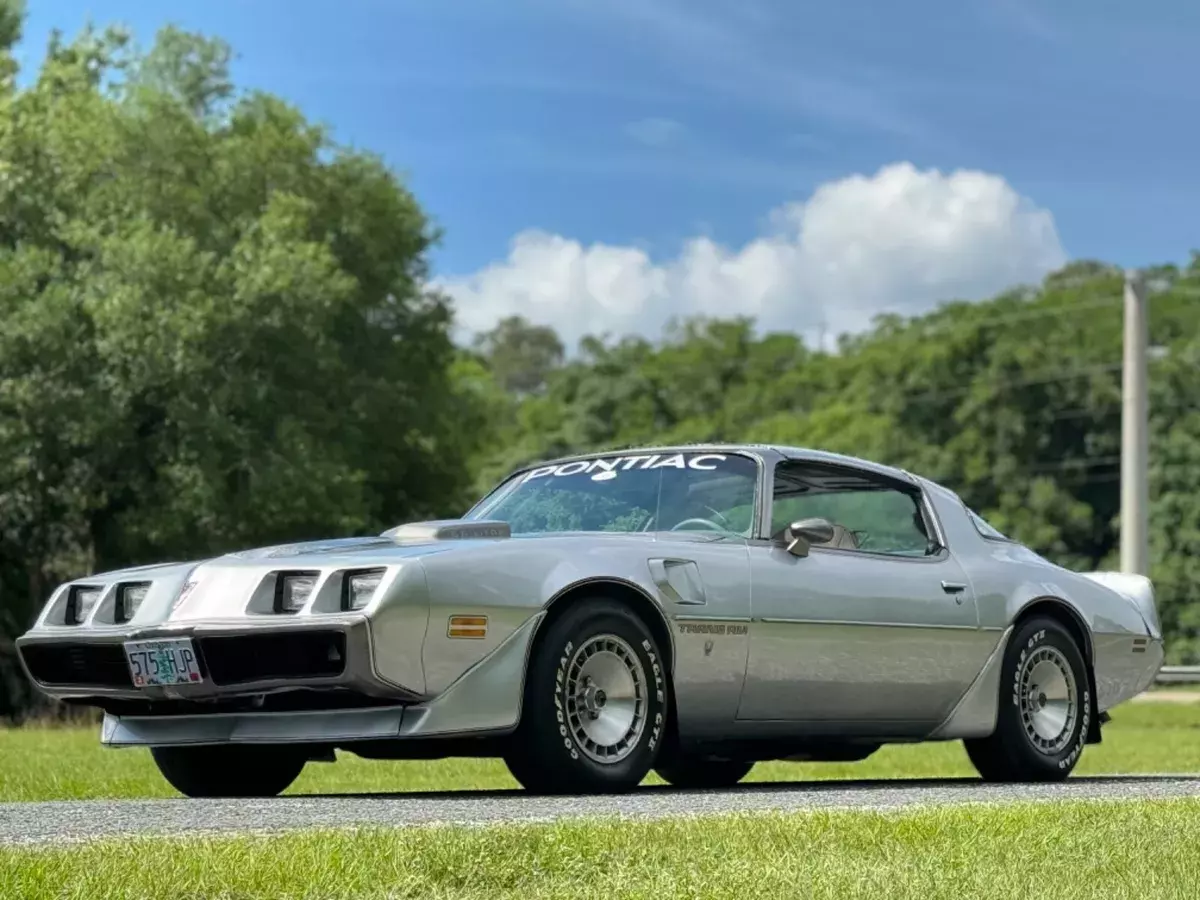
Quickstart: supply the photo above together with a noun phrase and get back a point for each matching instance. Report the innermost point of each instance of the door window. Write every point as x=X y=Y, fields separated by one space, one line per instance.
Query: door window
x=868 y=514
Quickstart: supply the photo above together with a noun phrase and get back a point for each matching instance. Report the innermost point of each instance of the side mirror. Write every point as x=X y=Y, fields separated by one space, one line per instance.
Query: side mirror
x=800 y=534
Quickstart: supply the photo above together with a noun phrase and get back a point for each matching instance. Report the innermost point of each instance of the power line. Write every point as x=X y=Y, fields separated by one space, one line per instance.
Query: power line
x=928 y=328
x=1062 y=375
x=1034 y=314
x=1058 y=312
x=922 y=326
x=1076 y=463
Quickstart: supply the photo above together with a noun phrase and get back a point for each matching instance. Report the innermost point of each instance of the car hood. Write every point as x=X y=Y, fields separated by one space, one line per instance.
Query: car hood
x=312 y=548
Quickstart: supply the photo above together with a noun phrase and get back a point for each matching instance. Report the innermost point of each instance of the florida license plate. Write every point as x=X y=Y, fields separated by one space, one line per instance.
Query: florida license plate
x=170 y=661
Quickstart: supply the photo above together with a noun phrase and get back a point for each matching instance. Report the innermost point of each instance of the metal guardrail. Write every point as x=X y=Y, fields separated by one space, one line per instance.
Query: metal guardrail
x=1178 y=675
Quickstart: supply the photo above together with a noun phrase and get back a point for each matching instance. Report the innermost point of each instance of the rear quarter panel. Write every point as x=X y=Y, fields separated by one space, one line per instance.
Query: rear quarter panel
x=1007 y=578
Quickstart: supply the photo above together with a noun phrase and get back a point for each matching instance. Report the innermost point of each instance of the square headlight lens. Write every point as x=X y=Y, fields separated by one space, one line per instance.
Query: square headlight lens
x=129 y=598
x=360 y=587
x=292 y=590
x=80 y=601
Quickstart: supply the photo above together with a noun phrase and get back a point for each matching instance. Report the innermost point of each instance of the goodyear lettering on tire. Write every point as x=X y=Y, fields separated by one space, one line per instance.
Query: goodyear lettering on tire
x=1085 y=721
x=659 y=692
x=560 y=679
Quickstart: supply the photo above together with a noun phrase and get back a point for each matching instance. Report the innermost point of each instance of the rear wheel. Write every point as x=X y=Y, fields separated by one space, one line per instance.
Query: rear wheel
x=595 y=704
x=1045 y=708
x=229 y=770
x=697 y=772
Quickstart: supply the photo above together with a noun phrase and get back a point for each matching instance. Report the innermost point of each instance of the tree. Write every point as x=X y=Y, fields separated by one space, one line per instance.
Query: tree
x=216 y=326
x=521 y=355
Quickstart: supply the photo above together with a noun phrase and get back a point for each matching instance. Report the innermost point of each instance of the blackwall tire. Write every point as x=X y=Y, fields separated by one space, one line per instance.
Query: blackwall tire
x=229 y=771
x=1046 y=707
x=702 y=774
x=595 y=704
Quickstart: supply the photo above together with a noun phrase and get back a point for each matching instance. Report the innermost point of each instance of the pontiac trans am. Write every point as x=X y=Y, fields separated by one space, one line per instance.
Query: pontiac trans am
x=690 y=610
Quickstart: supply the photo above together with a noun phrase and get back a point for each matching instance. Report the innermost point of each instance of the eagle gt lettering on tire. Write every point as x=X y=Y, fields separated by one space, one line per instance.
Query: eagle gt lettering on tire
x=595 y=703
x=1045 y=708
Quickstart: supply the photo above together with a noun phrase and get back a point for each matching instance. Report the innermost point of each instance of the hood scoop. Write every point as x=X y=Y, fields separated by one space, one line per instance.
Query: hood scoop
x=448 y=530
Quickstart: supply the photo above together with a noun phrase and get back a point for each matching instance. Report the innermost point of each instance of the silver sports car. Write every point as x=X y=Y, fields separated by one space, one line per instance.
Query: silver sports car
x=687 y=609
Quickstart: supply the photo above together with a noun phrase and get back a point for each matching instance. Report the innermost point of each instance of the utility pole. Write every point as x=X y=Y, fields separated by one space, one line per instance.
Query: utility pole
x=1135 y=428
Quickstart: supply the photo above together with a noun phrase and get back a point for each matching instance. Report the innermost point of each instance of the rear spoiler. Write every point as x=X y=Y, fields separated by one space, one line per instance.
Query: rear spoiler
x=1137 y=589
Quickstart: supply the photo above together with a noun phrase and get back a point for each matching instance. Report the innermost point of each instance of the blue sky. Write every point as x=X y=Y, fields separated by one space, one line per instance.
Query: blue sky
x=649 y=123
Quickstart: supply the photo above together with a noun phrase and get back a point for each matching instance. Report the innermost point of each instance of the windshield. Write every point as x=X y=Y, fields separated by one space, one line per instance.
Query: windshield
x=635 y=492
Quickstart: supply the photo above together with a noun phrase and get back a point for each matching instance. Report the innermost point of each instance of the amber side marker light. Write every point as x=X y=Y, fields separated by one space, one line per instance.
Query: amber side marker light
x=467 y=627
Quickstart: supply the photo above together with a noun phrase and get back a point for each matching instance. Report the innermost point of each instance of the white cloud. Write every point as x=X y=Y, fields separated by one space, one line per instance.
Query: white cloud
x=899 y=241
x=655 y=132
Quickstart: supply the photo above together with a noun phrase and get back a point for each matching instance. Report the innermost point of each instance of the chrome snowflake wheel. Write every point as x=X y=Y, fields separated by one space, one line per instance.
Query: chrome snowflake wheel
x=606 y=698
x=1048 y=699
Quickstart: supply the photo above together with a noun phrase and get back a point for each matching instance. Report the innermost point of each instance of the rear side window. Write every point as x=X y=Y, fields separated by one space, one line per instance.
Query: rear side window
x=984 y=528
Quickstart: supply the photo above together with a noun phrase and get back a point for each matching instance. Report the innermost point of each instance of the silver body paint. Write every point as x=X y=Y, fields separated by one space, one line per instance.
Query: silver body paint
x=838 y=645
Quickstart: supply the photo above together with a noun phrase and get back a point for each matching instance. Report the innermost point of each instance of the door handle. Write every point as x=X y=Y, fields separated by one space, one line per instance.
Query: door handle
x=953 y=587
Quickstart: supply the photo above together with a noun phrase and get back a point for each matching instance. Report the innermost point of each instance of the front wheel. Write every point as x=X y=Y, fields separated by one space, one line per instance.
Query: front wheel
x=595 y=704
x=229 y=770
x=1045 y=708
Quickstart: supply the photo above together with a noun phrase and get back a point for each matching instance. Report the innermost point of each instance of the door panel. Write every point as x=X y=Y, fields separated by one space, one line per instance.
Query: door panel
x=856 y=637
x=704 y=588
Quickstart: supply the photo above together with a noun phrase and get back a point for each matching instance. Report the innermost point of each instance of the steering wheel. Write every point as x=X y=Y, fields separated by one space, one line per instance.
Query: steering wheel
x=708 y=524
x=718 y=515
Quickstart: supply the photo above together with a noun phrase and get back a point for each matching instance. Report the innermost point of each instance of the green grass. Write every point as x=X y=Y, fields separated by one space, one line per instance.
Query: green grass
x=1079 y=850
x=45 y=763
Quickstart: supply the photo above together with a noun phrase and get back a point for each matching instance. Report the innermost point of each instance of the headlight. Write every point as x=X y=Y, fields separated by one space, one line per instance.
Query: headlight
x=80 y=600
x=129 y=598
x=292 y=590
x=359 y=587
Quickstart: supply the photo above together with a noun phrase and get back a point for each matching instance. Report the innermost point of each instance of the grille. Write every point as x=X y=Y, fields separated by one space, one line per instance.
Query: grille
x=258 y=657
x=85 y=665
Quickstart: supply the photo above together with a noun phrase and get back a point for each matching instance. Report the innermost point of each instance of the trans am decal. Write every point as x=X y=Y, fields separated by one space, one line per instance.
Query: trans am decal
x=606 y=469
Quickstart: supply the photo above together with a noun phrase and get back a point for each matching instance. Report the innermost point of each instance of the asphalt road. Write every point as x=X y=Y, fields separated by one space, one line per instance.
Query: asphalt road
x=68 y=821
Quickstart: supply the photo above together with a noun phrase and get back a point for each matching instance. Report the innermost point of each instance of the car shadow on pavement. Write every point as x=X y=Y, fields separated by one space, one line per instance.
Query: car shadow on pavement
x=754 y=787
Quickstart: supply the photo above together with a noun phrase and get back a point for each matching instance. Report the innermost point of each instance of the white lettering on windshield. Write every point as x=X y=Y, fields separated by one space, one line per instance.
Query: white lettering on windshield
x=675 y=462
x=607 y=469
x=572 y=468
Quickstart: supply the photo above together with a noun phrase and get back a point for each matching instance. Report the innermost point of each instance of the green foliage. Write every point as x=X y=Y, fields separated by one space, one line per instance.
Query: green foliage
x=520 y=355
x=216 y=329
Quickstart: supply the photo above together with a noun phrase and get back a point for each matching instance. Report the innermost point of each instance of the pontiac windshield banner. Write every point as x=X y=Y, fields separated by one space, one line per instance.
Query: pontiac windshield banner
x=604 y=469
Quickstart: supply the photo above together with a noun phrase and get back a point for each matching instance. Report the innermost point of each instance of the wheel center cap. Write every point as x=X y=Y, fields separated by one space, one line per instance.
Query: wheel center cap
x=592 y=698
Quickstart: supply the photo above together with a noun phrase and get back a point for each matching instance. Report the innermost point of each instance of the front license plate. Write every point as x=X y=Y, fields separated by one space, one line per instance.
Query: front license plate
x=162 y=662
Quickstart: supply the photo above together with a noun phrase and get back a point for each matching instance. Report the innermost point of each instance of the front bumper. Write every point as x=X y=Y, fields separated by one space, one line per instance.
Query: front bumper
x=486 y=699
x=305 y=727
x=235 y=660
